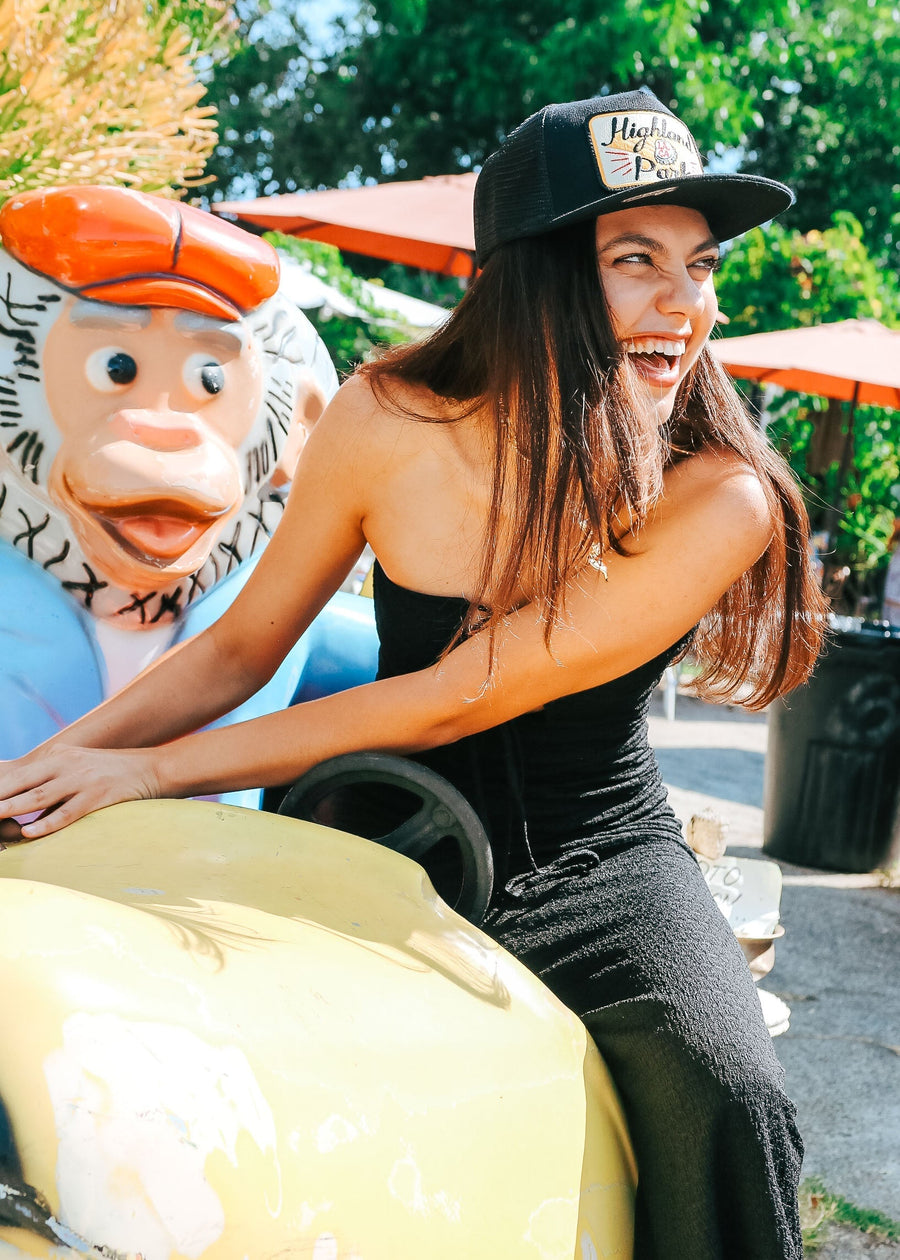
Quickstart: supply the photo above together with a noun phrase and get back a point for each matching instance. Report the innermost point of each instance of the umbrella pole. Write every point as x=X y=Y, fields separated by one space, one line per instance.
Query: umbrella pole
x=834 y=511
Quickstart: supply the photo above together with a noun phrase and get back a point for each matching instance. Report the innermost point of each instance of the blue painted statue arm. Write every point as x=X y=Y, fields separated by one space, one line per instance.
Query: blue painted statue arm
x=196 y=681
x=50 y=670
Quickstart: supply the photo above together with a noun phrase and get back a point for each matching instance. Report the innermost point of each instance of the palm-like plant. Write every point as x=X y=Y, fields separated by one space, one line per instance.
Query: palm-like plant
x=105 y=92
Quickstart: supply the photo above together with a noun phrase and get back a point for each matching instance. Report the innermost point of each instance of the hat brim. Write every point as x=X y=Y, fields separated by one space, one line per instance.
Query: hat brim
x=731 y=204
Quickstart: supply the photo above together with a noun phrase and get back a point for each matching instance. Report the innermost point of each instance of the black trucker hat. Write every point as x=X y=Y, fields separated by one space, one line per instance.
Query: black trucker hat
x=576 y=161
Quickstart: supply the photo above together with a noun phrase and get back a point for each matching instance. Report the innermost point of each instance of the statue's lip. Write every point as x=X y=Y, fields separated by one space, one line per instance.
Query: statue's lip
x=155 y=529
x=191 y=508
x=155 y=538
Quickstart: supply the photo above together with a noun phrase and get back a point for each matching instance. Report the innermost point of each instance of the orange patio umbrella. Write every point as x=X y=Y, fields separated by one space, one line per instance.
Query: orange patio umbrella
x=423 y=223
x=857 y=360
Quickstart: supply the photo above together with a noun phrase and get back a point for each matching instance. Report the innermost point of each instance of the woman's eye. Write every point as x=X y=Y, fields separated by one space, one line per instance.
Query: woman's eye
x=710 y=264
x=203 y=376
x=635 y=258
x=110 y=369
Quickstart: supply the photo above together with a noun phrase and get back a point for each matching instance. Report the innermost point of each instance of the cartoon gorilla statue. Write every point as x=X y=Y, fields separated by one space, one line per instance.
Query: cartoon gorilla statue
x=155 y=393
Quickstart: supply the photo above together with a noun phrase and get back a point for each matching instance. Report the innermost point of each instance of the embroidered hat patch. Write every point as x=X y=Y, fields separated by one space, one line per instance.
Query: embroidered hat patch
x=642 y=146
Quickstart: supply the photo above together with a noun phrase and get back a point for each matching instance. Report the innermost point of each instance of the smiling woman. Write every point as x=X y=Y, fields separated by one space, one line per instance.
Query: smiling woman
x=563 y=492
x=659 y=290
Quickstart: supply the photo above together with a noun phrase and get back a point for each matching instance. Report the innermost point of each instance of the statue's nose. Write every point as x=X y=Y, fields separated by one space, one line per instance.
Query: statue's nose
x=159 y=430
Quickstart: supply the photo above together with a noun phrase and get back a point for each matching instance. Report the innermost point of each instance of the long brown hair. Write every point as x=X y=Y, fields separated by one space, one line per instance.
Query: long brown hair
x=578 y=449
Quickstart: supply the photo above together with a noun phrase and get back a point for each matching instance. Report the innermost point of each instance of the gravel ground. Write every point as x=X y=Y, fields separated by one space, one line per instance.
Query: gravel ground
x=843 y=1243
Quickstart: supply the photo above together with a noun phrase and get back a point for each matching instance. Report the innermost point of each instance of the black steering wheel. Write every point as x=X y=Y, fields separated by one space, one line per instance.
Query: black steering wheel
x=443 y=813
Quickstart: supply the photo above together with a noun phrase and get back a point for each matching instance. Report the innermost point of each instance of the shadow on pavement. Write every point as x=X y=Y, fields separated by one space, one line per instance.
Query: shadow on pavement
x=732 y=774
x=837 y=969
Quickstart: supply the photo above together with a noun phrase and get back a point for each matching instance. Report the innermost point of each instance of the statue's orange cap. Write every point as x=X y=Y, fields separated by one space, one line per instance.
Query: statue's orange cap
x=116 y=245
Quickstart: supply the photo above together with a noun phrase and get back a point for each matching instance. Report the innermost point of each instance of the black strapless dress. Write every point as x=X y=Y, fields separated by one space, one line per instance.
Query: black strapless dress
x=598 y=894
x=574 y=775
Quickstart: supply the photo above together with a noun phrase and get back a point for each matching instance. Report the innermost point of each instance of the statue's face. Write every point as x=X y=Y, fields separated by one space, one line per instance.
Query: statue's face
x=152 y=406
x=144 y=450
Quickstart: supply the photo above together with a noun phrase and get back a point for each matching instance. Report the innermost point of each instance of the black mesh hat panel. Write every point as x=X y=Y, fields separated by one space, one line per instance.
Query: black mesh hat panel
x=572 y=167
x=518 y=190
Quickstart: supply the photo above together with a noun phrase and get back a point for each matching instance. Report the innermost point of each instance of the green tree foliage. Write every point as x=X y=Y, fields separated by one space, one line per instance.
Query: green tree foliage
x=782 y=278
x=802 y=90
x=827 y=86
x=437 y=84
x=265 y=95
x=419 y=87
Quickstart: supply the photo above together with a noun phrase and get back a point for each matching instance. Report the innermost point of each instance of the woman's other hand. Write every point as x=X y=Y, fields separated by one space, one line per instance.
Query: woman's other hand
x=63 y=783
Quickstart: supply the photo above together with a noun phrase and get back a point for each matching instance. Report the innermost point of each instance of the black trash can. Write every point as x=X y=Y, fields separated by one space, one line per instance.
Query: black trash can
x=832 y=772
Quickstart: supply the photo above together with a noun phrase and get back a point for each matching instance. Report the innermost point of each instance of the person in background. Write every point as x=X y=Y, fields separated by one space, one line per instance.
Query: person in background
x=563 y=493
x=890 y=608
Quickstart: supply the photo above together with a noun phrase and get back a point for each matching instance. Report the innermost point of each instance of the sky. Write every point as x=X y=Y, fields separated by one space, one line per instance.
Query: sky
x=318 y=14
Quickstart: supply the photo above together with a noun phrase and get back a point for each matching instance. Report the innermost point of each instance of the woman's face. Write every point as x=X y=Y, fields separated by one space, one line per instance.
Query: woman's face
x=656 y=267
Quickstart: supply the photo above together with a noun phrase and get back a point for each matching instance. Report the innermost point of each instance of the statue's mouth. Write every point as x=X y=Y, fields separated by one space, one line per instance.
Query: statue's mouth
x=155 y=531
x=153 y=538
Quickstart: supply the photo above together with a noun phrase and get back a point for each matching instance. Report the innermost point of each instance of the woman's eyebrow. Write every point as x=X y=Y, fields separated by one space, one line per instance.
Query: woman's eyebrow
x=634 y=238
x=711 y=242
x=653 y=245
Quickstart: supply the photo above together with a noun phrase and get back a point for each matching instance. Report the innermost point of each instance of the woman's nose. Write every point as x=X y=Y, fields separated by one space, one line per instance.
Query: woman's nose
x=681 y=294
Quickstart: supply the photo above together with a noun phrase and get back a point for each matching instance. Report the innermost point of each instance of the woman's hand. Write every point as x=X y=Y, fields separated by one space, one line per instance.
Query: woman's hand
x=63 y=783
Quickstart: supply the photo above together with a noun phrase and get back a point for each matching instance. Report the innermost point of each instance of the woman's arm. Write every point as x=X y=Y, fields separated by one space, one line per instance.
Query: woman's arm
x=711 y=525
x=197 y=681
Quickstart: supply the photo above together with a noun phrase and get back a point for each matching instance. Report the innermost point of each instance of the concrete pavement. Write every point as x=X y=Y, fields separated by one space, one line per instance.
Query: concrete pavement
x=837 y=967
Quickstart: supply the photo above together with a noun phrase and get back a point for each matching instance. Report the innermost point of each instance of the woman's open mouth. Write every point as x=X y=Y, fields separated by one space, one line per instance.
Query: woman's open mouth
x=658 y=360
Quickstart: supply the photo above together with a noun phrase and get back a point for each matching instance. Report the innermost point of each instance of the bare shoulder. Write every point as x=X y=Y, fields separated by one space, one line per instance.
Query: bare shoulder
x=362 y=401
x=720 y=484
x=714 y=511
x=377 y=423
x=354 y=411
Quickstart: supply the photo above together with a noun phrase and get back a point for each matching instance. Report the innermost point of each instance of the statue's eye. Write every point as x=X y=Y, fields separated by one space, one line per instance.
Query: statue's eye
x=110 y=369
x=203 y=376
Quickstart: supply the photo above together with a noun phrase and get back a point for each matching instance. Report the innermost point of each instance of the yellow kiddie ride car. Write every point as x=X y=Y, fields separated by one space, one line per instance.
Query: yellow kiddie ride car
x=232 y=1034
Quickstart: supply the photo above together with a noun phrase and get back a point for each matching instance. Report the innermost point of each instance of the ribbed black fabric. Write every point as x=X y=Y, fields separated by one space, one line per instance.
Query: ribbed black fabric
x=577 y=770
x=599 y=895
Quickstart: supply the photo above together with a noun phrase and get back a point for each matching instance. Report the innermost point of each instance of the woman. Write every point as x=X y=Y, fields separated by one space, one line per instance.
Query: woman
x=562 y=491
